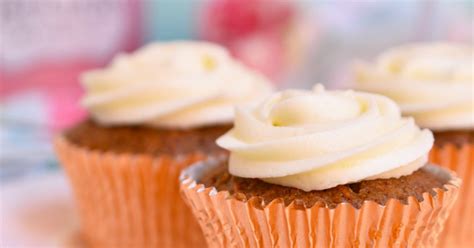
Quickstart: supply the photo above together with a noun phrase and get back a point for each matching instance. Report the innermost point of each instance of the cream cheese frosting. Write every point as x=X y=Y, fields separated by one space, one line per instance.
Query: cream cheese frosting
x=315 y=140
x=432 y=82
x=177 y=84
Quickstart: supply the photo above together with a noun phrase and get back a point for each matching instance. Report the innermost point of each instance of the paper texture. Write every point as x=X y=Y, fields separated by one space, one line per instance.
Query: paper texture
x=228 y=222
x=129 y=200
x=459 y=230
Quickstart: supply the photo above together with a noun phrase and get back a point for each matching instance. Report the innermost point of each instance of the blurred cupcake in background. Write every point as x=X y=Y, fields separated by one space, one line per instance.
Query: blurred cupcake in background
x=152 y=113
x=322 y=169
x=434 y=83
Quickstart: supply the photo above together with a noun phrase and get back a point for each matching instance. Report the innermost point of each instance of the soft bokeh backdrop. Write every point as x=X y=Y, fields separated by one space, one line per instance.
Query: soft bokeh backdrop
x=45 y=45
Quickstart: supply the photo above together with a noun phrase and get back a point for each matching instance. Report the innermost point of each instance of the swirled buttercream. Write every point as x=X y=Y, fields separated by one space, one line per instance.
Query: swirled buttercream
x=431 y=82
x=315 y=140
x=176 y=84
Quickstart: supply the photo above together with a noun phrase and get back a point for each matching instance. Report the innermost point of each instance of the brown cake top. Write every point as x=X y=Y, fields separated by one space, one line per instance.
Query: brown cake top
x=141 y=139
x=456 y=137
x=379 y=190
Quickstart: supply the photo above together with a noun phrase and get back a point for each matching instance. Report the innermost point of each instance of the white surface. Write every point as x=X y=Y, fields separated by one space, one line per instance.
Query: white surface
x=37 y=212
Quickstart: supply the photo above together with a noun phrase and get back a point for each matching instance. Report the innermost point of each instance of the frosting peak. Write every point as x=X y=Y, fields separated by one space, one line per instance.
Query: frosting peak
x=176 y=84
x=297 y=109
x=314 y=140
x=434 y=83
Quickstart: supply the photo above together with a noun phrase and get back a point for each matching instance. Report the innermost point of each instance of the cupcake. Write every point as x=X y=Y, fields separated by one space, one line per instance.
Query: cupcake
x=434 y=84
x=152 y=113
x=321 y=169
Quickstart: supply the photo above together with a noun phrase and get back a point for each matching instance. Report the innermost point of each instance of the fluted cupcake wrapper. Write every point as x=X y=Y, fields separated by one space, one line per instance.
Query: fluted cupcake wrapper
x=127 y=200
x=459 y=231
x=230 y=222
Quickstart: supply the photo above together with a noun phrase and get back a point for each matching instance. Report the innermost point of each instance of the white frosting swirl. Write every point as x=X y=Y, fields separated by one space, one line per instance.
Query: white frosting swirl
x=431 y=82
x=315 y=140
x=177 y=85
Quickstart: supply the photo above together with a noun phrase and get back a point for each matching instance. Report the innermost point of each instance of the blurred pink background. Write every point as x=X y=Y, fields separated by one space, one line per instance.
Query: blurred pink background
x=46 y=44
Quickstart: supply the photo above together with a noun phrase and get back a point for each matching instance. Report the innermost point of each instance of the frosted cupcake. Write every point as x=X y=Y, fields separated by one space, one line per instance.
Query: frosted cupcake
x=153 y=112
x=321 y=169
x=434 y=84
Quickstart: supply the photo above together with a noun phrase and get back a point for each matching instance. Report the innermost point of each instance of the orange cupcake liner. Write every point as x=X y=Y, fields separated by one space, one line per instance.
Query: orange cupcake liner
x=459 y=231
x=229 y=222
x=127 y=200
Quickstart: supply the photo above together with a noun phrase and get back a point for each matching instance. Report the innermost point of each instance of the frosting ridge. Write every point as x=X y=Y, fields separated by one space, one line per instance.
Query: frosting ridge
x=314 y=140
x=432 y=82
x=177 y=84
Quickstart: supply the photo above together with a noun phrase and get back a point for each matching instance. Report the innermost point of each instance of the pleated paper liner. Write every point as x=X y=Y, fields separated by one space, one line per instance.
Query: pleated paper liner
x=459 y=231
x=129 y=200
x=229 y=222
